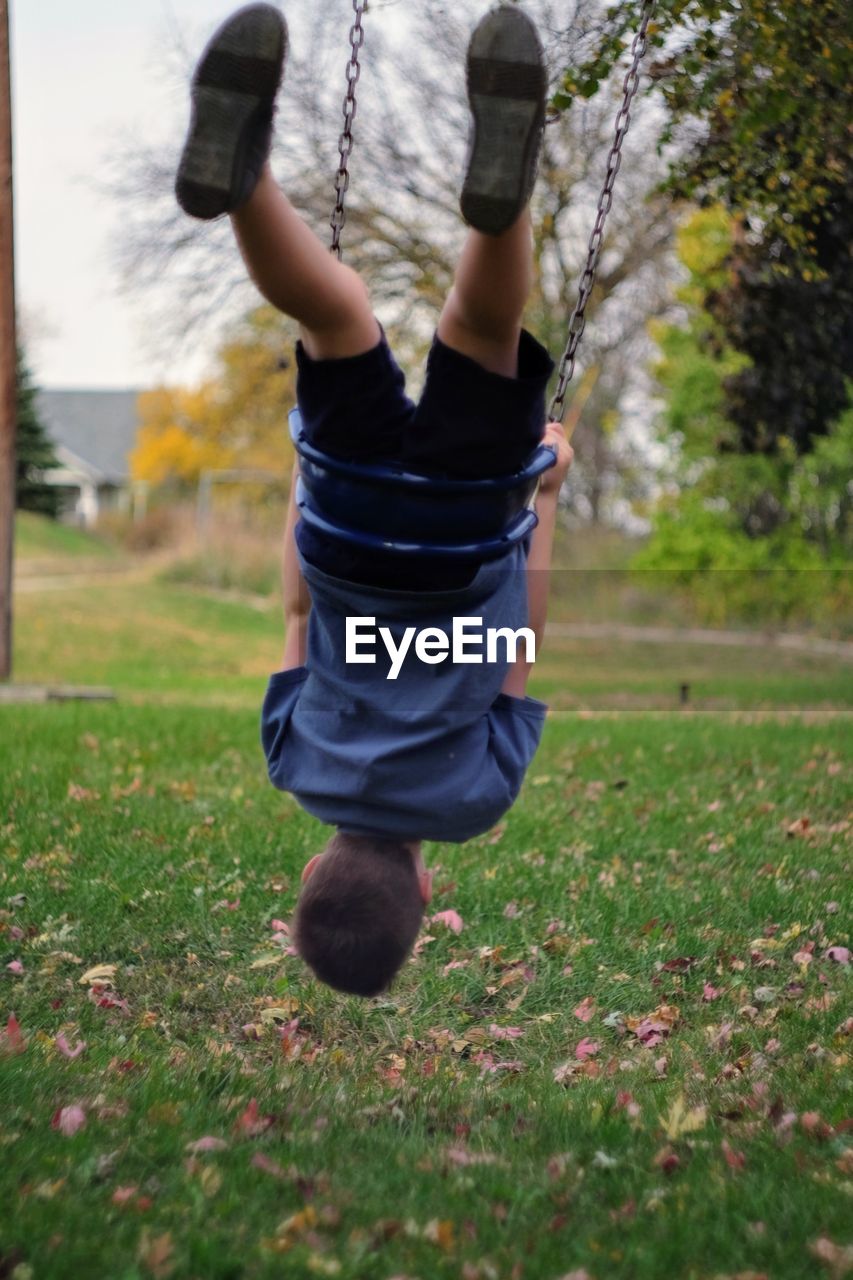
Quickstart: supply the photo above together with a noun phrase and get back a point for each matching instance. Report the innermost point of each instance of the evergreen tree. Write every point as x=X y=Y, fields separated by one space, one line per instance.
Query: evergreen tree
x=34 y=452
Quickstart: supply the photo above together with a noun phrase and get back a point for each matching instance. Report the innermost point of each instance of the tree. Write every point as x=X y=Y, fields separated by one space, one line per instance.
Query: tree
x=34 y=451
x=746 y=528
x=757 y=97
x=794 y=326
x=235 y=418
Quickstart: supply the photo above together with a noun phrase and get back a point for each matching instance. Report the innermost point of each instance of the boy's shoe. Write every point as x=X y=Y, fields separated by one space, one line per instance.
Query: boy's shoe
x=234 y=88
x=507 y=90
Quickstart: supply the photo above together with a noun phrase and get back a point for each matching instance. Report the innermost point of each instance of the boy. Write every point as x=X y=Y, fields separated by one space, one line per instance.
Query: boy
x=439 y=753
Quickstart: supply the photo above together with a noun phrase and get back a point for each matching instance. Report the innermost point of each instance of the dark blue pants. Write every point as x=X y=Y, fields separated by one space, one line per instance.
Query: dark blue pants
x=469 y=423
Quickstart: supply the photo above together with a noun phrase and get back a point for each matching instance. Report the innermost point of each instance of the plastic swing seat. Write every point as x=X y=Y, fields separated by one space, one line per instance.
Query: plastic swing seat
x=382 y=507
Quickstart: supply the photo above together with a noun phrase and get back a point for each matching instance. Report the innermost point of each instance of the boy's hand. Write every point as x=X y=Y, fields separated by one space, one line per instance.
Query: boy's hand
x=555 y=438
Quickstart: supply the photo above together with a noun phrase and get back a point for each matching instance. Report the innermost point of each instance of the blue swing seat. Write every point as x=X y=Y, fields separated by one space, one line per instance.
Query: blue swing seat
x=382 y=507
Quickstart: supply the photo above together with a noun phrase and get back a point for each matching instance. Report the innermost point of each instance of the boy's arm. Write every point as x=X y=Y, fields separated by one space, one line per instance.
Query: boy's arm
x=297 y=597
x=539 y=558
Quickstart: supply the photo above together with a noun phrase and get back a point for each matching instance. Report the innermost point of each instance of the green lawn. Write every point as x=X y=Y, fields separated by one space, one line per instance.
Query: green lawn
x=161 y=641
x=40 y=539
x=633 y=1060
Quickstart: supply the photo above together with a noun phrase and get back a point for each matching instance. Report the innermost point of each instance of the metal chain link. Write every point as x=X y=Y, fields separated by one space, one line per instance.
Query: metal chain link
x=605 y=200
x=345 y=141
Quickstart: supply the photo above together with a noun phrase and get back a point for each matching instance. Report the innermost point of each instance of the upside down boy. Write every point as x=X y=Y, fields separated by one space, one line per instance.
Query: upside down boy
x=438 y=752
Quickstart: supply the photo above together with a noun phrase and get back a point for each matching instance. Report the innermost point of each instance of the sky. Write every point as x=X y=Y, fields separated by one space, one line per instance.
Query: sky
x=84 y=76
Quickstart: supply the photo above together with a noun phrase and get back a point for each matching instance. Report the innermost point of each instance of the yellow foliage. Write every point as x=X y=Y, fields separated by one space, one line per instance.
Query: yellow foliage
x=705 y=240
x=237 y=418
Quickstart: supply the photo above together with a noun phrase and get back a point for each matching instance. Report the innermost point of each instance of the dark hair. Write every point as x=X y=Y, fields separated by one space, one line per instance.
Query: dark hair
x=359 y=913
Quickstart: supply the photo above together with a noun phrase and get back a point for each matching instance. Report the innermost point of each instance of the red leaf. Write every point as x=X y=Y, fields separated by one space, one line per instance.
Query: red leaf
x=586 y=1009
x=734 y=1159
x=121 y=1195
x=267 y=1165
x=65 y=1048
x=12 y=1040
x=679 y=965
x=505 y=1033
x=250 y=1124
x=207 y=1143
x=451 y=919
x=68 y=1120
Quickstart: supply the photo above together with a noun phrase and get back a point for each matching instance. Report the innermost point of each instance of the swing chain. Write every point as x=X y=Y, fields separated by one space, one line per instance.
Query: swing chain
x=345 y=141
x=623 y=119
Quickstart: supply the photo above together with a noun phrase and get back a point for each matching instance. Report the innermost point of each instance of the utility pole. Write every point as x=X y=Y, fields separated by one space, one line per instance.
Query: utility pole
x=8 y=350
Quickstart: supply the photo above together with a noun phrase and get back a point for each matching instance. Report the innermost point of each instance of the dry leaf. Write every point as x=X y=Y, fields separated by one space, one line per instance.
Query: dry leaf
x=155 y=1254
x=680 y=1120
x=100 y=973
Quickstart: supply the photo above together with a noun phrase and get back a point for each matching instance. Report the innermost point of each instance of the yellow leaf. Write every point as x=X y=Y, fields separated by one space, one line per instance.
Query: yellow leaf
x=440 y=1232
x=100 y=973
x=680 y=1120
x=264 y=961
x=280 y=1012
x=155 y=1254
x=210 y=1179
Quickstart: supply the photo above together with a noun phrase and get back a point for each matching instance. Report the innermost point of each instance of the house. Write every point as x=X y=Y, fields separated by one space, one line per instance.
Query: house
x=93 y=433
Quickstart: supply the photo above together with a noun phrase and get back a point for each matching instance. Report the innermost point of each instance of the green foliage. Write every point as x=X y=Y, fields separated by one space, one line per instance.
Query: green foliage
x=769 y=82
x=760 y=534
x=794 y=326
x=33 y=452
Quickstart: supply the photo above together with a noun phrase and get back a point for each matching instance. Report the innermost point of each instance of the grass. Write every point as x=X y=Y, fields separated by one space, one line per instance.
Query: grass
x=507 y=1110
x=426 y=1132
x=39 y=539
x=158 y=641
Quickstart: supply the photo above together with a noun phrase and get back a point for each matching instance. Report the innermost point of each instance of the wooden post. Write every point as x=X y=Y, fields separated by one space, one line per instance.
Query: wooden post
x=8 y=351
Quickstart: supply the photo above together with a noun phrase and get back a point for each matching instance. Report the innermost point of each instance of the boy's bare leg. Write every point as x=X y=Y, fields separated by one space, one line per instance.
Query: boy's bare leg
x=482 y=314
x=297 y=274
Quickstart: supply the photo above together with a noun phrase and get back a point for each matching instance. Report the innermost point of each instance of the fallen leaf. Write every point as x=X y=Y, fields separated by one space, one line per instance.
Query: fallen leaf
x=837 y=1258
x=206 y=1144
x=586 y=1048
x=666 y=1159
x=841 y=955
x=505 y=1033
x=734 y=1159
x=65 y=1048
x=250 y=1123
x=121 y=1195
x=267 y=1165
x=210 y=1179
x=99 y=973
x=440 y=1232
x=451 y=919
x=680 y=1120
x=68 y=1120
x=155 y=1254
x=12 y=1039
x=585 y=1010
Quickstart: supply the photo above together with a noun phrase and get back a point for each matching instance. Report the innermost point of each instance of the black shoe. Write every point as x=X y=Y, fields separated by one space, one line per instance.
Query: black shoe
x=507 y=90
x=233 y=103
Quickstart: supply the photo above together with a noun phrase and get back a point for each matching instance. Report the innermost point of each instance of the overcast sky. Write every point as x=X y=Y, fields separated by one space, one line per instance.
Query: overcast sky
x=85 y=74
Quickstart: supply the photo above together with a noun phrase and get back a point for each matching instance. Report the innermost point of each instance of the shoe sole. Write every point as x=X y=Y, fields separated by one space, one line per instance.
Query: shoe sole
x=233 y=91
x=507 y=88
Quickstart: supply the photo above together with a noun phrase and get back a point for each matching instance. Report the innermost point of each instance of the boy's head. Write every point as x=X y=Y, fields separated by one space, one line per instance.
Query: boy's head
x=360 y=910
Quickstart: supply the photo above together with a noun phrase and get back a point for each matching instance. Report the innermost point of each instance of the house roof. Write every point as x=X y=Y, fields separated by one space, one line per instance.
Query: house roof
x=98 y=426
